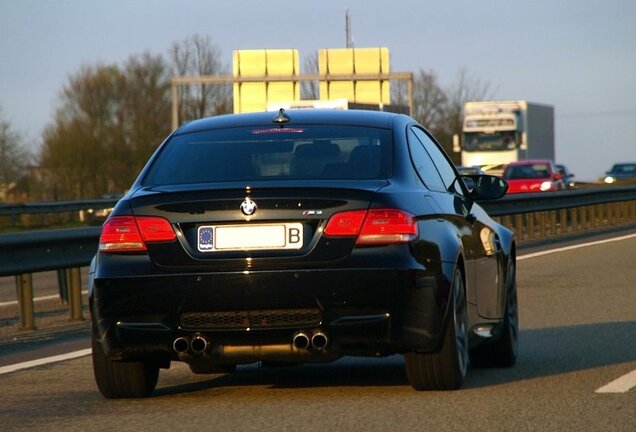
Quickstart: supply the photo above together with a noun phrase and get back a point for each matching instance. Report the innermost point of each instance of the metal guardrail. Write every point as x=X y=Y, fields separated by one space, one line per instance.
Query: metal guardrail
x=549 y=215
x=530 y=216
x=64 y=250
x=55 y=207
x=36 y=251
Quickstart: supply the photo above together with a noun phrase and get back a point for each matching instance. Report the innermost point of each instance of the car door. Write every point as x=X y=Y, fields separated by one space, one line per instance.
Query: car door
x=478 y=240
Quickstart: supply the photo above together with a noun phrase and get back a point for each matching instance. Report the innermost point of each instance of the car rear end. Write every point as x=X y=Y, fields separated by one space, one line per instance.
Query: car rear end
x=531 y=176
x=255 y=242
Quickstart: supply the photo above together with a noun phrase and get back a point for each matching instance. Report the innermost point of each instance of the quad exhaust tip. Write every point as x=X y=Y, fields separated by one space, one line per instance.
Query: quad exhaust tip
x=181 y=345
x=199 y=344
x=319 y=341
x=301 y=340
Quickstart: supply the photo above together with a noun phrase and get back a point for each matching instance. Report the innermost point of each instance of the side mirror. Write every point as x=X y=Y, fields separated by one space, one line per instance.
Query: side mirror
x=485 y=187
x=558 y=176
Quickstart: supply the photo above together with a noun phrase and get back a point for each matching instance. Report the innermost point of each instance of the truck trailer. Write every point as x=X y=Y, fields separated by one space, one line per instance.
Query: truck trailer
x=496 y=133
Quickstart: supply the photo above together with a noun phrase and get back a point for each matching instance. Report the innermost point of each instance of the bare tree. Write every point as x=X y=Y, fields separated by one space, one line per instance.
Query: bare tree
x=109 y=121
x=465 y=88
x=86 y=135
x=429 y=101
x=196 y=56
x=14 y=157
x=146 y=107
x=310 y=89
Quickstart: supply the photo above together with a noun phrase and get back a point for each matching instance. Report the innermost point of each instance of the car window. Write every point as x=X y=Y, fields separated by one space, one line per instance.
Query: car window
x=302 y=152
x=424 y=165
x=535 y=171
x=444 y=167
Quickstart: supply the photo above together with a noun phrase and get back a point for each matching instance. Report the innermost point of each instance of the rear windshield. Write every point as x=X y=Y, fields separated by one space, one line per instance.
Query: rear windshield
x=298 y=152
x=535 y=171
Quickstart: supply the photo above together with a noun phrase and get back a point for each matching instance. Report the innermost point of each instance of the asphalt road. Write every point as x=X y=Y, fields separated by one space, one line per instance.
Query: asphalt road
x=578 y=333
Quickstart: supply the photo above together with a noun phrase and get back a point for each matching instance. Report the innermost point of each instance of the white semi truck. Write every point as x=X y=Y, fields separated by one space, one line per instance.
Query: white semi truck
x=496 y=133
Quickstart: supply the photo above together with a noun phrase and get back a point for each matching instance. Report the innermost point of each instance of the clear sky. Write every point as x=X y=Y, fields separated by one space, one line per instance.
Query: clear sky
x=578 y=55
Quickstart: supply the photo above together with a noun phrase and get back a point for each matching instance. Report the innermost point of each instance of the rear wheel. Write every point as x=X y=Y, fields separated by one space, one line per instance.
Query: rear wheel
x=446 y=369
x=502 y=352
x=115 y=380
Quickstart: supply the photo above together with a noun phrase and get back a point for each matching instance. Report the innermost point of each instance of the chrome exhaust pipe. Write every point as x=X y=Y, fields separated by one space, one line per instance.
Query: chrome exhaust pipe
x=319 y=341
x=199 y=344
x=180 y=345
x=301 y=340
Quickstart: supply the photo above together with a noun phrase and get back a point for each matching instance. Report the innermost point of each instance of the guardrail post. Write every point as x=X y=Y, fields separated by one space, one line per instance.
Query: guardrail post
x=75 y=283
x=583 y=217
x=24 y=285
x=519 y=226
x=603 y=214
x=530 y=225
x=563 y=220
x=542 y=224
x=553 y=223
x=62 y=282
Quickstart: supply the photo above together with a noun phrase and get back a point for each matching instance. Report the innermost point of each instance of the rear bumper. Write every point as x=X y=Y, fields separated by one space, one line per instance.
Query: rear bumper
x=362 y=312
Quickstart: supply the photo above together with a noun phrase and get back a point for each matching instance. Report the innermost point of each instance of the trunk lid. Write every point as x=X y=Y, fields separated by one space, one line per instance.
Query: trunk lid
x=264 y=225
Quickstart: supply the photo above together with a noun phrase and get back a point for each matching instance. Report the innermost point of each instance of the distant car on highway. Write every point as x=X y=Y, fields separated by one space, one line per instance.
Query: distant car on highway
x=568 y=177
x=301 y=237
x=621 y=172
x=532 y=176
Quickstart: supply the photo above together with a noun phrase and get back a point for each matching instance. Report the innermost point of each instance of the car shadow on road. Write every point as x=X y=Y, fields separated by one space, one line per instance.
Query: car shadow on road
x=558 y=350
x=347 y=372
x=543 y=352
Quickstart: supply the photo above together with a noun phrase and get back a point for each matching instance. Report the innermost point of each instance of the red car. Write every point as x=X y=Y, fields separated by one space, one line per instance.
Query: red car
x=532 y=176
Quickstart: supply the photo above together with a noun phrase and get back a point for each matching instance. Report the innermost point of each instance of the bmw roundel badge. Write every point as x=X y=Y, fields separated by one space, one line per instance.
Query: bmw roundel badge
x=248 y=207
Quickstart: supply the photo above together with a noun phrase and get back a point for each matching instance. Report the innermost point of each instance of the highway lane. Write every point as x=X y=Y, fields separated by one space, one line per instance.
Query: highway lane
x=578 y=328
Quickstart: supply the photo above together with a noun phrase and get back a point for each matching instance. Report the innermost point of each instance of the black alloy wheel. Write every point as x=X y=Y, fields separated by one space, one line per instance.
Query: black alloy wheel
x=118 y=379
x=446 y=369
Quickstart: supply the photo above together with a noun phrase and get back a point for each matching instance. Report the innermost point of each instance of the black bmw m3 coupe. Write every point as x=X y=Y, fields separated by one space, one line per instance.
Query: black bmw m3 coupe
x=297 y=237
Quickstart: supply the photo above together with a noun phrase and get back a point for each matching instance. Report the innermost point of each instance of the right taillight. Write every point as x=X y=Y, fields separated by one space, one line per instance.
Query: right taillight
x=373 y=227
x=130 y=233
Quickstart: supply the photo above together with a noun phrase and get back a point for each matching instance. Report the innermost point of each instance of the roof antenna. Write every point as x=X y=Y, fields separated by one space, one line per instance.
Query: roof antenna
x=281 y=118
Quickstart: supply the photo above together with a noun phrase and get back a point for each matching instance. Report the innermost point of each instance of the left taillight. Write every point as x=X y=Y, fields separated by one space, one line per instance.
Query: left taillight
x=373 y=227
x=131 y=233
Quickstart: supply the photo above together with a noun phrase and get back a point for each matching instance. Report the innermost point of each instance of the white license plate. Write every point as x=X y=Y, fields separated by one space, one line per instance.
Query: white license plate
x=250 y=237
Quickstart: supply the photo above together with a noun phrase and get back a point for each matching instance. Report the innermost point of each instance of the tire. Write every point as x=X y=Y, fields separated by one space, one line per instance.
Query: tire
x=503 y=351
x=446 y=369
x=115 y=379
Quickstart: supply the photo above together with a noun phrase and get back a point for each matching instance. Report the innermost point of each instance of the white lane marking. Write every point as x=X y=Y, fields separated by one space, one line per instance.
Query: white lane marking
x=43 y=361
x=577 y=246
x=622 y=384
x=36 y=299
